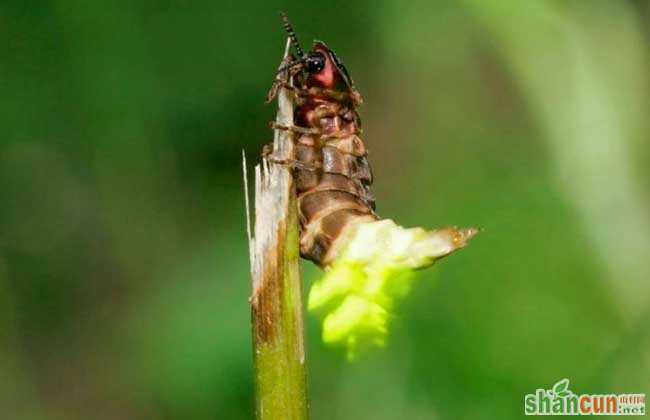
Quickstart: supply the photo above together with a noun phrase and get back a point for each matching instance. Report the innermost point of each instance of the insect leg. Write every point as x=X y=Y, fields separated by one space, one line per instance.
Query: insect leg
x=267 y=150
x=267 y=153
x=292 y=163
x=294 y=128
x=275 y=88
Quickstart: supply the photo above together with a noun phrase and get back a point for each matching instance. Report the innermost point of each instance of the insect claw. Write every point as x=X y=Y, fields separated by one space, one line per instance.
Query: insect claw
x=273 y=92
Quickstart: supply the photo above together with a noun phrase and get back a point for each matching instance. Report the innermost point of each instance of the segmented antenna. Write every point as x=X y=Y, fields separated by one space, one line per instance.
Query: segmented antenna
x=292 y=34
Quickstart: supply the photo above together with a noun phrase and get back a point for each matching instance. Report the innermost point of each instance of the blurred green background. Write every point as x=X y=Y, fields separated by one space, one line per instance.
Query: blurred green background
x=123 y=256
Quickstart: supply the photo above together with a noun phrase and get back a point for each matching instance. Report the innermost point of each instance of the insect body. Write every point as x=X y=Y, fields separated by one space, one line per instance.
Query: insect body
x=370 y=261
x=330 y=167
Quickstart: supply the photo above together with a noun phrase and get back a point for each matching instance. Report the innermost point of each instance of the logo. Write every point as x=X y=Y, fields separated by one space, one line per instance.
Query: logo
x=559 y=400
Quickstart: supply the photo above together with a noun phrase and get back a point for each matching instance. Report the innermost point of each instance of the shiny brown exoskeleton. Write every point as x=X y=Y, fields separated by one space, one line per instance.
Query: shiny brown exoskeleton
x=331 y=171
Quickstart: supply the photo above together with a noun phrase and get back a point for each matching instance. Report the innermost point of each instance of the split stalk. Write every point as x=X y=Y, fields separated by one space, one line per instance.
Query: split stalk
x=276 y=300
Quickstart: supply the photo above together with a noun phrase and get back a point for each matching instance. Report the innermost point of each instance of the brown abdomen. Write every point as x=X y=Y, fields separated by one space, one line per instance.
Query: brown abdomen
x=332 y=179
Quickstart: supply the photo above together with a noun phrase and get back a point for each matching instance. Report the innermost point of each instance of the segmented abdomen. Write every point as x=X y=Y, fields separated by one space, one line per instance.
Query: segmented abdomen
x=332 y=177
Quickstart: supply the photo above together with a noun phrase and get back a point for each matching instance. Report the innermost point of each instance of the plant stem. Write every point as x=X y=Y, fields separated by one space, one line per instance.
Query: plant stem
x=276 y=301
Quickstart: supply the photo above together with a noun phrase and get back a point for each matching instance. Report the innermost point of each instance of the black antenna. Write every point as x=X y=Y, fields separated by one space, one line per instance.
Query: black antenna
x=292 y=35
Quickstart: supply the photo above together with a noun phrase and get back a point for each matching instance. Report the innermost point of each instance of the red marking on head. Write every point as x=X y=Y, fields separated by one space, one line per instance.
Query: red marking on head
x=329 y=77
